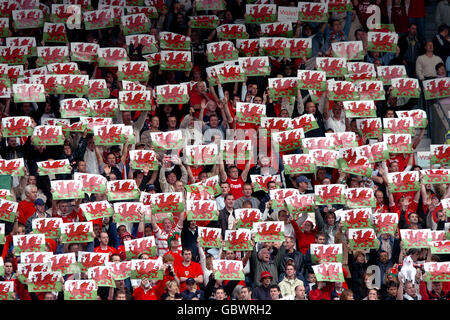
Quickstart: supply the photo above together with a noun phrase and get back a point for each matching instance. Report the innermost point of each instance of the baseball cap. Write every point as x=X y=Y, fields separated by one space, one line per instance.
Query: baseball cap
x=150 y=187
x=302 y=179
x=39 y=202
x=265 y=274
x=190 y=281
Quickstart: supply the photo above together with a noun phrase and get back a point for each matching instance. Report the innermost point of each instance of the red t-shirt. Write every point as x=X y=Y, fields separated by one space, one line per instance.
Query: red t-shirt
x=304 y=239
x=25 y=209
x=236 y=187
x=72 y=217
x=178 y=258
x=108 y=249
x=192 y=271
x=196 y=98
x=140 y=294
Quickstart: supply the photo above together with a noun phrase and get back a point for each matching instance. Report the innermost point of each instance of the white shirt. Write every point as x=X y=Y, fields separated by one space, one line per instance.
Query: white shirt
x=335 y=125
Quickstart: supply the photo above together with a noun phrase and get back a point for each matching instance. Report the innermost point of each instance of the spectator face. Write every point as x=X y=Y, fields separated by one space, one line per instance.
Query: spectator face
x=233 y=173
x=410 y=289
x=187 y=256
x=91 y=144
x=372 y=295
x=247 y=190
x=225 y=188
x=412 y=30
x=49 y=296
x=282 y=216
x=32 y=195
x=155 y=123
x=284 y=113
x=172 y=123
x=265 y=257
x=330 y=220
x=171 y=178
x=179 y=187
x=8 y=268
x=115 y=259
x=326 y=181
x=167 y=225
x=220 y=294
x=67 y=150
x=413 y=218
x=379 y=197
x=392 y=291
x=111 y=160
x=274 y=293
x=245 y=294
x=229 y=201
x=230 y=255
x=211 y=106
x=31 y=180
x=436 y=287
x=360 y=258
x=300 y=292
x=320 y=239
x=394 y=167
x=121 y=230
x=290 y=272
x=266 y=281
x=312 y=278
x=257 y=100
x=148 y=231
x=307 y=226
x=272 y=186
x=384 y=257
x=213 y=122
x=429 y=47
x=337 y=109
x=126 y=116
x=82 y=166
x=201 y=87
x=336 y=26
x=12 y=142
x=104 y=239
x=441 y=71
x=121 y=296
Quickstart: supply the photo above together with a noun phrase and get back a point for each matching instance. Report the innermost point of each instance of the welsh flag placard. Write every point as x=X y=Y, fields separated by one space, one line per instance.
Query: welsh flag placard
x=135 y=23
x=342 y=140
x=260 y=13
x=405 y=87
x=135 y=100
x=435 y=176
x=398 y=143
x=28 y=243
x=44 y=281
x=300 y=203
x=83 y=51
x=436 y=88
x=133 y=70
x=125 y=212
x=369 y=128
x=339 y=5
x=209 y=237
x=24 y=269
x=172 y=94
x=398 y=125
x=98 y=19
x=437 y=235
x=91 y=183
x=204 y=21
x=403 y=181
x=109 y=135
x=247 y=217
x=28 y=93
x=8 y=210
x=14 y=55
x=360 y=109
x=201 y=210
x=63 y=68
x=102 y=276
x=50 y=227
x=298 y=163
x=342 y=90
x=312 y=80
x=148 y=269
x=248 y=47
x=334 y=67
x=330 y=272
x=440 y=154
x=72 y=84
x=167 y=202
x=171 y=140
x=146 y=41
x=351 y=162
x=207 y=5
x=270 y=124
x=120 y=270
x=238 y=240
x=199 y=192
x=249 y=112
x=300 y=48
x=274 y=46
x=221 y=51
x=418 y=238
x=419 y=117
x=28 y=19
x=80 y=290
x=362 y=239
x=351 y=50
x=272 y=231
x=370 y=90
x=317 y=143
x=88 y=260
x=122 y=190
x=212 y=183
x=53 y=167
x=6 y=290
x=74 y=108
x=77 y=232
x=176 y=60
x=132 y=86
x=228 y=270
x=382 y=41
x=231 y=31
x=2 y=240
x=387 y=73
x=279 y=195
x=385 y=223
x=440 y=247
x=201 y=154
x=356 y=218
x=436 y=271
x=325 y=158
x=382 y=27
x=330 y=194
x=360 y=197
x=96 y=210
x=66 y=13
x=136 y=247
x=106 y=108
x=54 y=32
x=277 y=29
x=283 y=87
x=312 y=12
x=153 y=59
x=325 y=253
x=140 y=159
x=174 y=41
x=13 y=167
x=110 y=57
x=48 y=55
x=230 y=73
x=260 y=182
x=360 y=67
x=67 y=189
x=4 y=27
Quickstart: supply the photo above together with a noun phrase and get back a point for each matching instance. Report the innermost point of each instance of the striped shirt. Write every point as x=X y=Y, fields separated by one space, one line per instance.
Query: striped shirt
x=161 y=240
